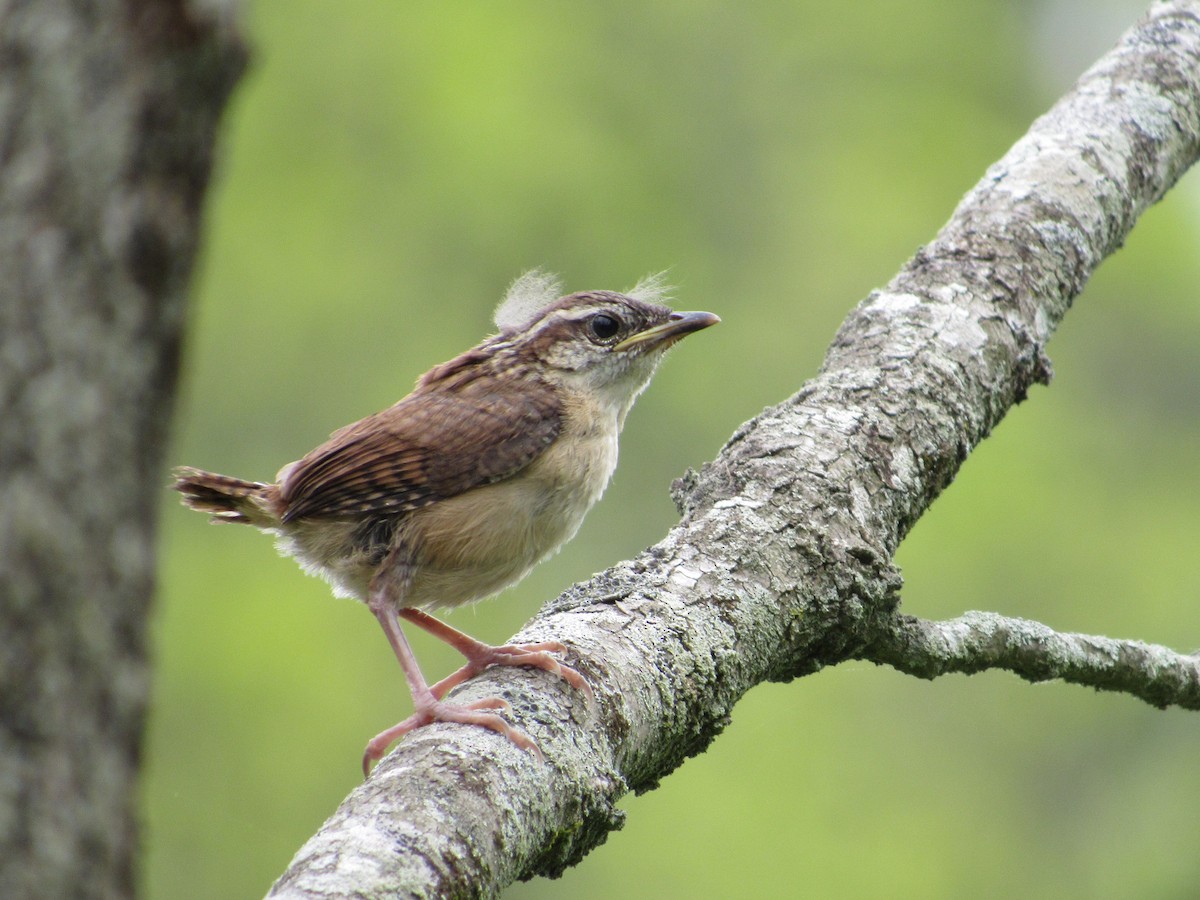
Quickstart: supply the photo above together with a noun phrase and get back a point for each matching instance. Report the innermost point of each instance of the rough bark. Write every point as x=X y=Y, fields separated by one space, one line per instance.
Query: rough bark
x=976 y=641
x=781 y=563
x=107 y=115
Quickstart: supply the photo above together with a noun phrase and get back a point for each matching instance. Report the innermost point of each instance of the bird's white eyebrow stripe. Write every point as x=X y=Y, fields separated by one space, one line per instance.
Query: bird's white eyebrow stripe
x=574 y=314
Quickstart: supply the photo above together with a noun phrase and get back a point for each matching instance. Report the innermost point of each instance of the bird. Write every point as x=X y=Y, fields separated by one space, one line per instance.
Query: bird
x=460 y=488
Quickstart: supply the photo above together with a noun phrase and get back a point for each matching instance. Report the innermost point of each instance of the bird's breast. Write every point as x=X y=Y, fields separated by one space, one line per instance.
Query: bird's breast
x=482 y=541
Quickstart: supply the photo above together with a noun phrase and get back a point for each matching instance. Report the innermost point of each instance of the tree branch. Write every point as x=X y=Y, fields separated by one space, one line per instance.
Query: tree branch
x=976 y=641
x=781 y=563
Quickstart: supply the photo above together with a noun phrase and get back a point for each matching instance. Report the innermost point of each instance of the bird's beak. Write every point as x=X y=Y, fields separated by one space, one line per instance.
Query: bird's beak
x=680 y=324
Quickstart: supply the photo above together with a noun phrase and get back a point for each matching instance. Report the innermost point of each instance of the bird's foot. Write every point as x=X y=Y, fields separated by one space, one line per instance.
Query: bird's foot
x=480 y=656
x=436 y=711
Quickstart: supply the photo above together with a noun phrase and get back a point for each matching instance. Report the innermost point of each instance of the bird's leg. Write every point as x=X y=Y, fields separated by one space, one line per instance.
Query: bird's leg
x=427 y=708
x=480 y=655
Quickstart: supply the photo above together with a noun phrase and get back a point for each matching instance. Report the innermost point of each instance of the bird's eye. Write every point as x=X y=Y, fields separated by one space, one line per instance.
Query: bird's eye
x=603 y=327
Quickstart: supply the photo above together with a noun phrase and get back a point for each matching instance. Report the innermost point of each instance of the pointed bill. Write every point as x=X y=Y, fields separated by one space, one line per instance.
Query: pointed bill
x=680 y=324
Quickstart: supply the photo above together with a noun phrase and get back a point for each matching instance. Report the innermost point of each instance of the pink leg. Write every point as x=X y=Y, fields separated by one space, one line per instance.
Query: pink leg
x=480 y=655
x=427 y=707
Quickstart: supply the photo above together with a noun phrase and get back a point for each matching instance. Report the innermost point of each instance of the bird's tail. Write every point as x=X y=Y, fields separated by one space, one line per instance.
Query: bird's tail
x=228 y=499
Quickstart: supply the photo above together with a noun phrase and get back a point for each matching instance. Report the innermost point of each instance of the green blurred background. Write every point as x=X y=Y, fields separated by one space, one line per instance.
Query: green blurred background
x=387 y=168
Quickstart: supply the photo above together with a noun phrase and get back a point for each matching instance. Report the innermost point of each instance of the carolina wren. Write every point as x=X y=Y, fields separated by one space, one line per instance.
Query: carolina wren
x=460 y=488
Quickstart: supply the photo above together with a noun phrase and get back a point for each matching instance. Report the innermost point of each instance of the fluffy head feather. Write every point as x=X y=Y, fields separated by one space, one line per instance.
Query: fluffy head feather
x=526 y=297
x=652 y=289
x=537 y=289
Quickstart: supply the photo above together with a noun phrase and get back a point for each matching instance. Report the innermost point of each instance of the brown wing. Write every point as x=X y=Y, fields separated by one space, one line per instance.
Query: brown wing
x=427 y=447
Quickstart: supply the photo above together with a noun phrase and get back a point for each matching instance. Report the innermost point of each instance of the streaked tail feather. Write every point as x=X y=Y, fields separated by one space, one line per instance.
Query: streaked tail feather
x=227 y=499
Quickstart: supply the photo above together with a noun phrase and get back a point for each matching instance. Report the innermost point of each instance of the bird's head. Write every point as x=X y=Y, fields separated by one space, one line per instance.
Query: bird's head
x=603 y=342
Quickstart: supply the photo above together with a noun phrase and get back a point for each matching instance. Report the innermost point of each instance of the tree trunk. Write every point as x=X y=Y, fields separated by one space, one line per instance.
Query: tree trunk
x=108 y=113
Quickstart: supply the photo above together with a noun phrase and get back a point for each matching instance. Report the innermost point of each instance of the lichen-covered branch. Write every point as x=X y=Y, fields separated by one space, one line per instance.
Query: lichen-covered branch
x=781 y=563
x=977 y=641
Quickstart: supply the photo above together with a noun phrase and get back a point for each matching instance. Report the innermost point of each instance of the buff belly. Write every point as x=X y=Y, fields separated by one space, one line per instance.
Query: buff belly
x=465 y=548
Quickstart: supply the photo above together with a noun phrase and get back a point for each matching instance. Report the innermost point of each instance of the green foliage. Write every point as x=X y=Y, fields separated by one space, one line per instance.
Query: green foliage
x=389 y=167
